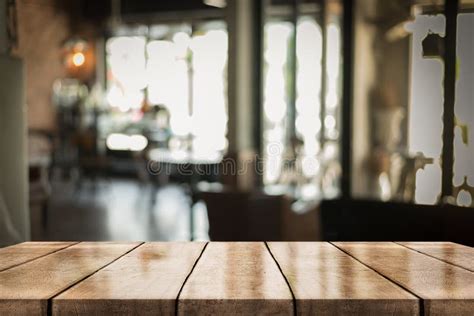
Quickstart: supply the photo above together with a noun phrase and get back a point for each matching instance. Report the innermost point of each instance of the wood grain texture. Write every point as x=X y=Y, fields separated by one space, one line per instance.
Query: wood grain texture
x=17 y=254
x=25 y=289
x=146 y=281
x=326 y=281
x=444 y=288
x=456 y=254
x=238 y=278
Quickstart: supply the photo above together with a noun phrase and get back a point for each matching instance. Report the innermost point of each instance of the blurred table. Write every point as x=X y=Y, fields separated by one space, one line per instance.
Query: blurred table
x=191 y=166
x=182 y=157
x=236 y=278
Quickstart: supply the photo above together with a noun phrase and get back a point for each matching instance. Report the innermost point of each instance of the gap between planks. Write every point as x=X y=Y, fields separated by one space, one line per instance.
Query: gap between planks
x=420 y=299
x=49 y=304
x=431 y=256
x=274 y=260
x=176 y=304
x=41 y=256
x=295 y=311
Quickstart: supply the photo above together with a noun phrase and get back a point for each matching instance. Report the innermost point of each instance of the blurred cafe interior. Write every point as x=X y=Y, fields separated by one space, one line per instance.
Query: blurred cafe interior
x=237 y=120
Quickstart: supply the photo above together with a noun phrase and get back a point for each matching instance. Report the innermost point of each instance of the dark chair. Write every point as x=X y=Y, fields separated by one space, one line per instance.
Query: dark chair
x=366 y=220
x=40 y=147
x=243 y=216
x=227 y=215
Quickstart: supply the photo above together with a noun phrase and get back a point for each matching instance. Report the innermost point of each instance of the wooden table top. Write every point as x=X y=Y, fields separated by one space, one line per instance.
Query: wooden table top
x=237 y=278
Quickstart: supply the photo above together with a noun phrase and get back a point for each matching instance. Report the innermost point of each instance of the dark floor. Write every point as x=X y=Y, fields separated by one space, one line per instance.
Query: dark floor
x=118 y=209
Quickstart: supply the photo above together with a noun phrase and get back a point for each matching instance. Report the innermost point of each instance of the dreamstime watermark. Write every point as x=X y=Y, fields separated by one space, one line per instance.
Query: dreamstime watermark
x=274 y=158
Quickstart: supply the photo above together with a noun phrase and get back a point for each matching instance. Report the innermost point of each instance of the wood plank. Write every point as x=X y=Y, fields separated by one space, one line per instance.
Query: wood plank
x=326 y=281
x=238 y=278
x=444 y=288
x=25 y=289
x=17 y=254
x=456 y=254
x=144 y=282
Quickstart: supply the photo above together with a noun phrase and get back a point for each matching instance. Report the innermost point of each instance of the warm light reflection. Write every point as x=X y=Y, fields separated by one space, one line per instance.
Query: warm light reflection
x=78 y=59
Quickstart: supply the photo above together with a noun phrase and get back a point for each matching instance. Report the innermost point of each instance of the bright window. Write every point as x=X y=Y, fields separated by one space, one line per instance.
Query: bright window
x=179 y=67
x=308 y=161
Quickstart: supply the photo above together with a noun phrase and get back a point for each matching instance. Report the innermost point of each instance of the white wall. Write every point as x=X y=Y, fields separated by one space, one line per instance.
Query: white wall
x=3 y=26
x=13 y=161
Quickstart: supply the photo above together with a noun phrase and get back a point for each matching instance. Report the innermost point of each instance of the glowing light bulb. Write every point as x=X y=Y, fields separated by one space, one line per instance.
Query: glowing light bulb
x=78 y=59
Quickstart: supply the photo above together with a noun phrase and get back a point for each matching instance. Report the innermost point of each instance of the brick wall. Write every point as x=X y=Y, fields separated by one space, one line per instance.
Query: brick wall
x=42 y=28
